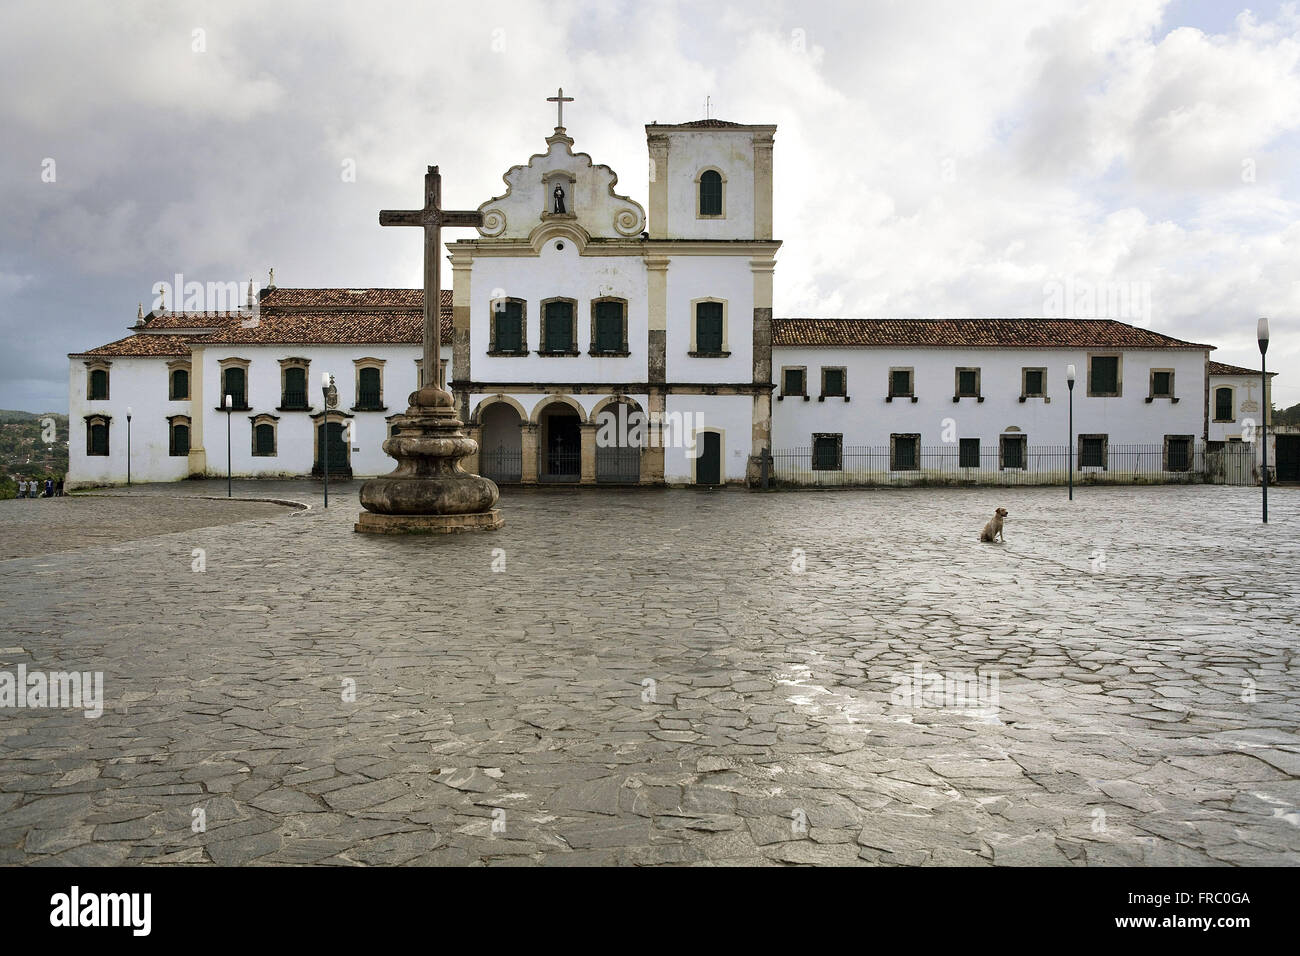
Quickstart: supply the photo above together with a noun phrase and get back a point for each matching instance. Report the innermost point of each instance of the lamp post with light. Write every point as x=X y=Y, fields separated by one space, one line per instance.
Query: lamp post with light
x=1261 y=332
x=1069 y=380
x=326 y=387
x=230 y=407
x=128 y=446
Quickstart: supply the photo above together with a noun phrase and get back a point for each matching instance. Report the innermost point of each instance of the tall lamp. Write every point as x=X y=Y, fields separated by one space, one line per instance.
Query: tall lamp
x=1069 y=380
x=128 y=446
x=230 y=407
x=1262 y=333
x=326 y=383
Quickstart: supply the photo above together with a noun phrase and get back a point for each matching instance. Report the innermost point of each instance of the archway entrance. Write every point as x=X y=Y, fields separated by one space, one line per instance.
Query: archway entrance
x=560 y=444
x=617 y=460
x=500 y=454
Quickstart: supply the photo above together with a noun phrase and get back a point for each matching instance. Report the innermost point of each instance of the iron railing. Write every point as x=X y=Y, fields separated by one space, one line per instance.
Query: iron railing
x=503 y=465
x=618 y=465
x=1016 y=464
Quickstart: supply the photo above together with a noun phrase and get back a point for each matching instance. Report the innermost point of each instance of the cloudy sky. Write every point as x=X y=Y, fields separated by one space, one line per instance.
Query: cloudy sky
x=932 y=159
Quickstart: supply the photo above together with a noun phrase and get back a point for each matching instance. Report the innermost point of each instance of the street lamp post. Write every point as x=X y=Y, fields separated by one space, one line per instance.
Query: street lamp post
x=326 y=383
x=128 y=446
x=230 y=407
x=1262 y=333
x=1069 y=380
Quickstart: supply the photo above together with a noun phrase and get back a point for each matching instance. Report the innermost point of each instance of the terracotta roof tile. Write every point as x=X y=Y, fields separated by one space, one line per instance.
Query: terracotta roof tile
x=189 y=320
x=1223 y=368
x=352 y=299
x=971 y=333
x=712 y=124
x=405 y=326
x=164 y=346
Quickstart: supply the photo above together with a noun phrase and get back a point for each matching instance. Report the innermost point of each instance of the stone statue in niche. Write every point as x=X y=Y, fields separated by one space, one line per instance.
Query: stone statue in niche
x=559 y=198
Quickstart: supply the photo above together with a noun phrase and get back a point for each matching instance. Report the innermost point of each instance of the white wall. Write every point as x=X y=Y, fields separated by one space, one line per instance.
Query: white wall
x=867 y=419
x=295 y=445
x=732 y=153
x=722 y=277
x=731 y=415
x=558 y=273
x=137 y=383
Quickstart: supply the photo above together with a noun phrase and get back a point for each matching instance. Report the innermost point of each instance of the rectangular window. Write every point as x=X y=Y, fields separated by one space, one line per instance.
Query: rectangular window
x=295 y=388
x=969 y=453
x=609 y=327
x=1223 y=405
x=833 y=382
x=1103 y=375
x=232 y=384
x=98 y=385
x=180 y=440
x=369 y=392
x=1162 y=384
x=1178 y=453
x=793 y=383
x=508 y=317
x=904 y=452
x=900 y=383
x=1092 y=451
x=826 y=452
x=180 y=385
x=559 y=327
x=708 y=327
x=968 y=382
x=1034 y=383
x=96 y=438
x=1012 y=451
x=264 y=440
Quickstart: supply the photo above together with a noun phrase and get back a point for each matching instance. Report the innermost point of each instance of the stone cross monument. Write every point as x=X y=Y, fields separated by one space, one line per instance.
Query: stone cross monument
x=429 y=492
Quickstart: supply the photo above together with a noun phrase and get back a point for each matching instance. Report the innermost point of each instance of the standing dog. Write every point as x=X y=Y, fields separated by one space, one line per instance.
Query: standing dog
x=993 y=530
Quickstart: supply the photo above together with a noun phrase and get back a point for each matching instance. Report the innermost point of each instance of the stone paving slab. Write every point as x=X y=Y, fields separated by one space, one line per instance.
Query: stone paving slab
x=667 y=678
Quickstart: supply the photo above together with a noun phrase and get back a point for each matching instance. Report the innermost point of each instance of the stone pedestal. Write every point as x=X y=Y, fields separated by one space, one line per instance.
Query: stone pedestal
x=429 y=492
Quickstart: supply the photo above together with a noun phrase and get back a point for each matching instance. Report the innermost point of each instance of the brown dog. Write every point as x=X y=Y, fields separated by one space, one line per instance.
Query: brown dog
x=993 y=530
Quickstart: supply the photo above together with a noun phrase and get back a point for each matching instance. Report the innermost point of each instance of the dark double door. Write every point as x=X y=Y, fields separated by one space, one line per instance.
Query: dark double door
x=340 y=463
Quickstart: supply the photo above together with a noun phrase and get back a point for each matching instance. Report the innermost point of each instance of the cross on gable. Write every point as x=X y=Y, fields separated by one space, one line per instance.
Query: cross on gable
x=559 y=99
x=431 y=219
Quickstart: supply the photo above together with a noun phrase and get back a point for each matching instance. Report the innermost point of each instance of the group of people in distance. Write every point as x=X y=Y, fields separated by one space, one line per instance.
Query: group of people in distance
x=35 y=488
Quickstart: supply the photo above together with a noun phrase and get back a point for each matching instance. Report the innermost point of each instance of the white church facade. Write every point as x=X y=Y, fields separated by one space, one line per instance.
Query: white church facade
x=577 y=315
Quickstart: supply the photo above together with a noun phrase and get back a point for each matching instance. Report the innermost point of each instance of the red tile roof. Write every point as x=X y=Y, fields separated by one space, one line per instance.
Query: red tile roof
x=188 y=320
x=291 y=316
x=351 y=299
x=1223 y=368
x=971 y=333
x=154 y=346
x=405 y=326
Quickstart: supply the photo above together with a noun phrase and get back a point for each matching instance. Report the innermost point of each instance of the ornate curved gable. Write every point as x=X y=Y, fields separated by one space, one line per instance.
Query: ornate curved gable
x=586 y=197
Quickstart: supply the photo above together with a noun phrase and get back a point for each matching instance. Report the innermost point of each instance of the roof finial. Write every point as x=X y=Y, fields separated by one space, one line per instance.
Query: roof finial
x=162 y=297
x=139 y=313
x=708 y=107
x=270 y=282
x=250 y=292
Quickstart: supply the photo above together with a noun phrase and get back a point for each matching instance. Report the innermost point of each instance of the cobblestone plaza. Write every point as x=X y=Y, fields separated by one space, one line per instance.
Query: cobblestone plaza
x=658 y=677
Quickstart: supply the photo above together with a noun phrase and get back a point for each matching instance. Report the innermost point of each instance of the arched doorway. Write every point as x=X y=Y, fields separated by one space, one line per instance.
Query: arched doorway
x=559 y=457
x=500 y=454
x=620 y=434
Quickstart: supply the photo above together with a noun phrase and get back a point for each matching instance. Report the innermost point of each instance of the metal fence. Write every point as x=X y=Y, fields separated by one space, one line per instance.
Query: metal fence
x=618 y=464
x=501 y=464
x=1014 y=464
